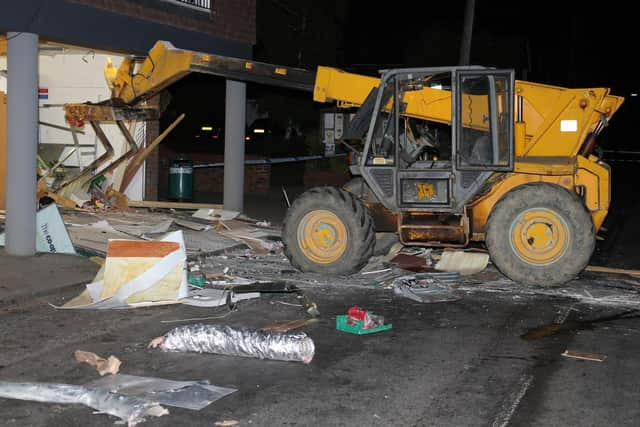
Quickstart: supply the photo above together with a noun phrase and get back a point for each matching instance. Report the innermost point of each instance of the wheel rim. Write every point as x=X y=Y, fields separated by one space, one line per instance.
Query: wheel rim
x=539 y=236
x=322 y=236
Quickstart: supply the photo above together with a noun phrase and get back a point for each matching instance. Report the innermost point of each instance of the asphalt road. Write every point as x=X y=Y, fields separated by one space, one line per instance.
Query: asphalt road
x=492 y=358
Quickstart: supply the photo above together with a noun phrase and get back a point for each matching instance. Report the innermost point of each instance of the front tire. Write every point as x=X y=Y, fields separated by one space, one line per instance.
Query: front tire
x=540 y=234
x=328 y=230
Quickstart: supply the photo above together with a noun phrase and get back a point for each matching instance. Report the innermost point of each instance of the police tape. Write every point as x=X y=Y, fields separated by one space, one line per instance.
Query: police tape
x=278 y=160
x=630 y=156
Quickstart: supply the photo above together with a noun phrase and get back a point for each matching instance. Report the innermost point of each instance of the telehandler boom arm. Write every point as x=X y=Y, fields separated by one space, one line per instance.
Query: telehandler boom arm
x=548 y=112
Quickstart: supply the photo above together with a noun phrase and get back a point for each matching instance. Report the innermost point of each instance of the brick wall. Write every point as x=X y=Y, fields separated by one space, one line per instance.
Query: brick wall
x=229 y=19
x=208 y=182
x=257 y=179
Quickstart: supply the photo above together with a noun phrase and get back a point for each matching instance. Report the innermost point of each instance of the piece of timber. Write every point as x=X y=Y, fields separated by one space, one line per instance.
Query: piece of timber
x=138 y=159
x=599 y=269
x=171 y=205
x=90 y=170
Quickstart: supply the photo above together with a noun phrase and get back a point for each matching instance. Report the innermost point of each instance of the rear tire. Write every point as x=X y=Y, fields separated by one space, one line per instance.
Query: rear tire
x=540 y=234
x=328 y=230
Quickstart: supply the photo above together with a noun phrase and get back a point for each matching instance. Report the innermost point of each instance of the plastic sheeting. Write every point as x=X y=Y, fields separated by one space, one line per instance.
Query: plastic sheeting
x=222 y=339
x=129 y=409
x=194 y=395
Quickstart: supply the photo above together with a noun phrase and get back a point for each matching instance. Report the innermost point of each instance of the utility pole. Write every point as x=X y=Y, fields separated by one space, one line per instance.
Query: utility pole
x=467 y=33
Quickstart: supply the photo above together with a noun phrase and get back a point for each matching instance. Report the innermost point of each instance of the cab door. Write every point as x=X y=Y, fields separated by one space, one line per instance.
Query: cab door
x=483 y=121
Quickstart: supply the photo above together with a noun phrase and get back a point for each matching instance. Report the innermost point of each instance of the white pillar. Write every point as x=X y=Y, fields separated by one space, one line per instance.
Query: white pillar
x=22 y=143
x=234 y=131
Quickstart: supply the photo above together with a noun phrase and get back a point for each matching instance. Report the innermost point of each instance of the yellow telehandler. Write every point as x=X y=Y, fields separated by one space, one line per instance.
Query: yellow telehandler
x=440 y=156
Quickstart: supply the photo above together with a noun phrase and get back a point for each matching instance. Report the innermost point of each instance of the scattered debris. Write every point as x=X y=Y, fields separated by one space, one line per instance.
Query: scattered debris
x=197 y=280
x=141 y=230
x=545 y=331
x=259 y=245
x=393 y=251
x=567 y=325
x=593 y=357
x=222 y=226
x=216 y=297
x=116 y=199
x=215 y=214
x=51 y=233
x=171 y=205
x=138 y=273
x=444 y=277
x=287 y=325
x=464 y=262
x=210 y=275
x=424 y=280
x=359 y=321
x=45 y=195
x=408 y=262
x=286 y=197
x=93 y=237
x=427 y=287
x=96 y=259
x=310 y=307
x=101 y=196
x=433 y=294
x=599 y=269
x=222 y=339
x=137 y=160
x=111 y=365
x=226 y=423
x=130 y=410
x=384 y=270
x=195 y=226
x=194 y=395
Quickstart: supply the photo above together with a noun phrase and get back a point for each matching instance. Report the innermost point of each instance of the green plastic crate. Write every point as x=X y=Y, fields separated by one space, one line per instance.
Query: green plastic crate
x=343 y=325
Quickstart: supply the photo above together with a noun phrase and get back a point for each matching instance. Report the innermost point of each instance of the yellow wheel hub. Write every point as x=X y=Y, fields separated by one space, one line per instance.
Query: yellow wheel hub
x=540 y=236
x=322 y=236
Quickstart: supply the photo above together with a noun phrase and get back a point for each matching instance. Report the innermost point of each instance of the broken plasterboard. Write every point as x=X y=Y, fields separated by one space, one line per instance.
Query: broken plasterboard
x=93 y=237
x=140 y=230
x=51 y=233
x=258 y=240
x=215 y=214
x=138 y=273
x=463 y=262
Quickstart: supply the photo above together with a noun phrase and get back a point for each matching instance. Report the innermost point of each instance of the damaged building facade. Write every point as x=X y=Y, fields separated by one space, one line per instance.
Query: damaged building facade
x=57 y=49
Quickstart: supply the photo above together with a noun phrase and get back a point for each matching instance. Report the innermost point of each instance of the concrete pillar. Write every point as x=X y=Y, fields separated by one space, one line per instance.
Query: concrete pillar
x=234 y=133
x=22 y=143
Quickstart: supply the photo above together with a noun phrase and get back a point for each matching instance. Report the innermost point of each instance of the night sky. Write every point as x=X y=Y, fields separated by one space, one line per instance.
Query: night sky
x=574 y=44
x=561 y=42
